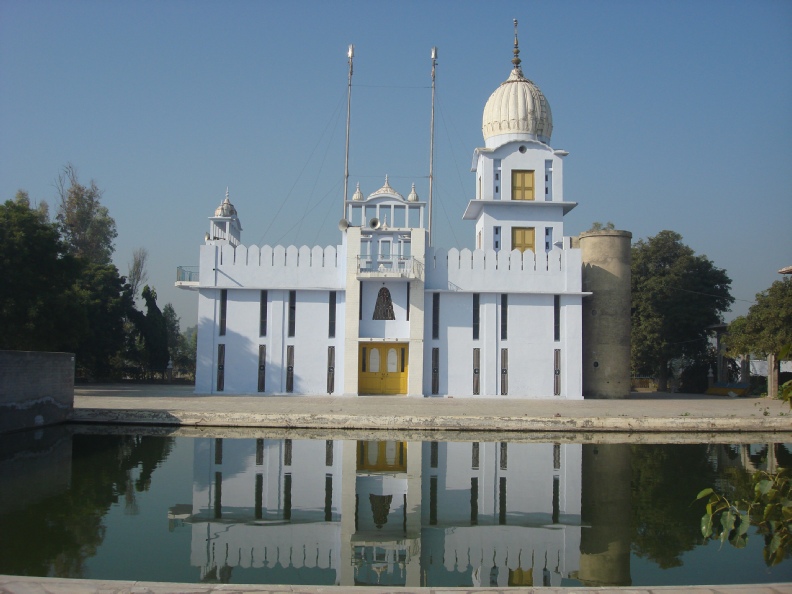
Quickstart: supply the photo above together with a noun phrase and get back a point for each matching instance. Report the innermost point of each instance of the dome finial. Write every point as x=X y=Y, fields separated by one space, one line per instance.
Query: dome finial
x=516 y=59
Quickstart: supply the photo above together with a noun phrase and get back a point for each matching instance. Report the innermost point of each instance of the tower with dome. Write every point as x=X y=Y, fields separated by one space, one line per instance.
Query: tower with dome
x=385 y=312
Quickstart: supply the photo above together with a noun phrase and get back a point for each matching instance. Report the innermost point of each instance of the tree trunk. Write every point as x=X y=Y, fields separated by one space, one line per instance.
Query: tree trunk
x=662 y=377
x=773 y=365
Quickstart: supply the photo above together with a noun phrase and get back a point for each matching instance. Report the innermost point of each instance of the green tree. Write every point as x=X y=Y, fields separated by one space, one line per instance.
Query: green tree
x=676 y=296
x=766 y=329
x=173 y=330
x=86 y=225
x=185 y=359
x=138 y=275
x=153 y=328
x=107 y=302
x=37 y=306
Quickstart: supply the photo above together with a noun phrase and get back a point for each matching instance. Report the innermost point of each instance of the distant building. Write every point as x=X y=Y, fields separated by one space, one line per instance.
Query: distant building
x=385 y=313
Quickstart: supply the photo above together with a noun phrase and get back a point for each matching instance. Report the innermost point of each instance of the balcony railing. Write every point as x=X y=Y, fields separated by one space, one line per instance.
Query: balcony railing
x=187 y=275
x=389 y=267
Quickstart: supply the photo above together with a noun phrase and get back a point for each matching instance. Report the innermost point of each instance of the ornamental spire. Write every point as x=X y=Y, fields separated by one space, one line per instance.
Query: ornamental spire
x=516 y=59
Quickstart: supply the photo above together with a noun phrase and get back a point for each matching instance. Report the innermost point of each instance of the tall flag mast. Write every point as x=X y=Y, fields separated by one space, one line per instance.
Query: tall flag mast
x=431 y=143
x=350 y=55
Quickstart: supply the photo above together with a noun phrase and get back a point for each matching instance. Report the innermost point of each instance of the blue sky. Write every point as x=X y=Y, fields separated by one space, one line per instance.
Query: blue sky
x=677 y=115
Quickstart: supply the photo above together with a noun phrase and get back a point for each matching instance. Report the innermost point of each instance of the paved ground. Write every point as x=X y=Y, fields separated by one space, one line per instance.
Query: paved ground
x=642 y=412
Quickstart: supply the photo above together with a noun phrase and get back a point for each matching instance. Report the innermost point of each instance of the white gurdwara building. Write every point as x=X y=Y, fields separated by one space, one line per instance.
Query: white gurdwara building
x=386 y=313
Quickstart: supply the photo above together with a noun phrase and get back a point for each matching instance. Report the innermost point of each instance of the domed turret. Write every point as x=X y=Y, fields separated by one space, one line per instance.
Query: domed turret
x=226 y=209
x=358 y=195
x=225 y=225
x=517 y=108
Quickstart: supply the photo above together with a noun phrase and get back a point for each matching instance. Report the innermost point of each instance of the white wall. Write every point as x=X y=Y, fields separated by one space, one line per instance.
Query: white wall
x=529 y=340
x=242 y=340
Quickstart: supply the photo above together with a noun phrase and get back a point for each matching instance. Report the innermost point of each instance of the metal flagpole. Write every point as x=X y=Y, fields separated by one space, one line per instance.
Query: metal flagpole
x=431 y=144
x=350 y=55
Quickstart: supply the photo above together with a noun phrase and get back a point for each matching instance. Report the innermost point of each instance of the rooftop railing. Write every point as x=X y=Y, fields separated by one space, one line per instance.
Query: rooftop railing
x=389 y=267
x=187 y=274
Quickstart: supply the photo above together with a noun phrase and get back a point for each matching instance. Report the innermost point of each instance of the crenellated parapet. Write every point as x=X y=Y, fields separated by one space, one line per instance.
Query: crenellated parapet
x=271 y=267
x=482 y=271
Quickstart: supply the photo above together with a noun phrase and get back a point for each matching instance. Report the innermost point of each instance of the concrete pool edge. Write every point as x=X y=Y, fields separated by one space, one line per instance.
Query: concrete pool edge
x=646 y=412
x=323 y=420
x=10 y=584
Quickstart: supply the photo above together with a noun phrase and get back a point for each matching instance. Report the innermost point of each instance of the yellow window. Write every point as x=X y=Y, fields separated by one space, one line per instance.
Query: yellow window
x=522 y=185
x=523 y=238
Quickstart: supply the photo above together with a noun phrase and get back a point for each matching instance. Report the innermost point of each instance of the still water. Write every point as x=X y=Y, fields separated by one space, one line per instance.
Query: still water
x=84 y=504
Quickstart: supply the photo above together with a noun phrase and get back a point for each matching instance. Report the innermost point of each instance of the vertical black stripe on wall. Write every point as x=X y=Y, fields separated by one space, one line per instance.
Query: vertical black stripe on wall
x=504 y=372
x=262 y=368
x=330 y=369
x=476 y=315
x=263 y=314
x=223 y=310
x=476 y=371
x=220 y=367
x=435 y=370
x=292 y=312
x=435 y=316
x=290 y=368
x=504 y=316
x=331 y=330
x=557 y=372
x=556 y=318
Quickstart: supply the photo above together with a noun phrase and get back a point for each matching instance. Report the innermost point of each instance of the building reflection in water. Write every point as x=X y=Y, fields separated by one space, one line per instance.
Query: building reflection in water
x=391 y=513
x=606 y=511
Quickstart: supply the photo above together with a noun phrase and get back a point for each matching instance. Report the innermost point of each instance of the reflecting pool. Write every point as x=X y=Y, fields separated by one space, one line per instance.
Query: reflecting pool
x=280 y=508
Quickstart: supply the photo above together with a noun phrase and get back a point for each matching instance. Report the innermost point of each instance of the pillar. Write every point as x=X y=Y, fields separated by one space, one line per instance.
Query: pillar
x=606 y=259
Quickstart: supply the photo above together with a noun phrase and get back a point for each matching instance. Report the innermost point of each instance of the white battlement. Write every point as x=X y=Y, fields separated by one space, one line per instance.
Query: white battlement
x=269 y=267
x=557 y=271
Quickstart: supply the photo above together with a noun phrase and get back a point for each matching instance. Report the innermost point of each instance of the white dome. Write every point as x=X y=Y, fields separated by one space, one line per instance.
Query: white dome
x=386 y=190
x=518 y=107
x=358 y=195
x=226 y=209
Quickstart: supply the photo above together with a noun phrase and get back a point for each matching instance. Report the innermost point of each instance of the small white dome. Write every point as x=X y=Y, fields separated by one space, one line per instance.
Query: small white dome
x=358 y=195
x=226 y=209
x=413 y=195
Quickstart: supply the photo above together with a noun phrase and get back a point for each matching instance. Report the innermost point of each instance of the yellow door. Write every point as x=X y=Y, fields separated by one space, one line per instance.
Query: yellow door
x=523 y=238
x=522 y=185
x=383 y=368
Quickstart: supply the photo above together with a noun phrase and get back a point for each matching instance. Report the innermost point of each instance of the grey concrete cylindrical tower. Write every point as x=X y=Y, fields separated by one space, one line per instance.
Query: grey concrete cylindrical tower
x=605 y=258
